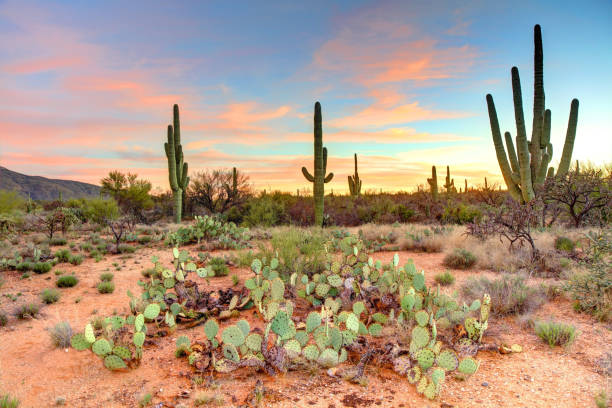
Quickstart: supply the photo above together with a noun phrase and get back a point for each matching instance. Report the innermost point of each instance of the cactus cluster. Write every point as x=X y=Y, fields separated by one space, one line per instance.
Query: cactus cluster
x=210 y=228
x=320 y=167
x=526 y=166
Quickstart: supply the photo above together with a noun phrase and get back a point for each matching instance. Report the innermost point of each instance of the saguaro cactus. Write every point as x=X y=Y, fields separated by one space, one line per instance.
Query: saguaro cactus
x=177 y=169
x=433 y=183
x=524 y=172
x=354 y=181
x=449 y=185
x=320 y=167
x=466 y=187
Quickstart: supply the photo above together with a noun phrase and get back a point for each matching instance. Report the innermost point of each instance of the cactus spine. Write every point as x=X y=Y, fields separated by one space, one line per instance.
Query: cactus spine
x=354 y=181
x=320 y=167
x=525 y=171
x=449 y=185
x=433 y=183
x=177 y=169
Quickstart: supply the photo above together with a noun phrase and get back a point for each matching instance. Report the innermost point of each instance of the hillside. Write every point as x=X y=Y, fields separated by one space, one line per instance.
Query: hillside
x=42 y=188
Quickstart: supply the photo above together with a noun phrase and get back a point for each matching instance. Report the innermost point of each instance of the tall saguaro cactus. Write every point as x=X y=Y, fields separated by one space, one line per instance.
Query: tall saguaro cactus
x=320 y=167
x=433 y=183
x=177 y=168
x=354 y=181
x=449 y=184
x=525 y=171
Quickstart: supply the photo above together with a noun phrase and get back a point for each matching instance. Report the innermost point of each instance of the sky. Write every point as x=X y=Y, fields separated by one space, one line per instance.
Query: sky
x=88 y=87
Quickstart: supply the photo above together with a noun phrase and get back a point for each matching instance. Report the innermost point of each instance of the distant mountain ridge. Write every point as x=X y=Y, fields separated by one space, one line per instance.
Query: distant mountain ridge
x=42 y=188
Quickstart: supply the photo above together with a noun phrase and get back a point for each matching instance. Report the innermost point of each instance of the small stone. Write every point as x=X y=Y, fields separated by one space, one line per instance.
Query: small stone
x=60 y=401
x=485 y=384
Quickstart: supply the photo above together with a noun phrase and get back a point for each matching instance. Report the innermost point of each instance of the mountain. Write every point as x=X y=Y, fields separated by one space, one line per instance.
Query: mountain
x=42 y=188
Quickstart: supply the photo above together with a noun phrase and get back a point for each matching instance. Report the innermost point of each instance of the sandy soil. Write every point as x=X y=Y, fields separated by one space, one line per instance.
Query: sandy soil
x=37 y=373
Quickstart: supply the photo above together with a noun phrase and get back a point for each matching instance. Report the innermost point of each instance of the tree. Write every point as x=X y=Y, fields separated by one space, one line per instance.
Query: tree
x=584 y=194
x=132 y=195
x=220 y=190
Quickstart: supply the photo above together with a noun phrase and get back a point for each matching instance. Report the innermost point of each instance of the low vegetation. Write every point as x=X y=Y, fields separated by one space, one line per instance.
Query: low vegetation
x=555 y=333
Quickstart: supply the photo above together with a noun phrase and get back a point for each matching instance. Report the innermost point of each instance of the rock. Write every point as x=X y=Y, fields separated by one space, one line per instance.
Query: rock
x=485 y=384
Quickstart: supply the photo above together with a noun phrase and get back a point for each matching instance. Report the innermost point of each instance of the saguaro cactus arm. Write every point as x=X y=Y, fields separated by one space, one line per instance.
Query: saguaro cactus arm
x=433 y=182
x=570 y=136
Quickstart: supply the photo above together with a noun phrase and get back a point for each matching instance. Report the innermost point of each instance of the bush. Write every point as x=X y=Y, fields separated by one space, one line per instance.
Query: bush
x=58 y=241
x=461 y=214
x=265 y=211
x=106 y=277
x=235 y=279
x=564 y=244
x=106 y=287
x=3 y=319
x=63 y=255
x=509 y=294
x=42 y=267
x=218 y=266
x=61 y=334
x=126 y=249
x=6 y=401
x=460 y=259
x=555 y=334
x=601 y=399
x=76 y=259
x=445 y=279
x=50 y=295
x=26 y=311
x=10 y=201
x=67 y=281
x=24 y=266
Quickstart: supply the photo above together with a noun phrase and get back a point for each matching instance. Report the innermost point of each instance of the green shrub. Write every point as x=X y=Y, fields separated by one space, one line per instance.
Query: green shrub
x=76 y=259
x=24 y=266
x=218 y=266
x=106 y=287
x=87 y=247
x=42 y=267
x=145 y=239
x=460 y=259
x=445 y=279
x=27 y=310
x=50 y=295
x=509 y=294
x=67 y=281
x=6 y=401
x=461 y=214
x=555 y=334
x=63 y=255
x=235 y=279
x=10 y=201
x=145 y=401
x=107 y=277
x=57 y=241
x=265 y=211
x=564 y=244
x=61 y=334
x=126 y=249
x=601 y=399
x=3 y=319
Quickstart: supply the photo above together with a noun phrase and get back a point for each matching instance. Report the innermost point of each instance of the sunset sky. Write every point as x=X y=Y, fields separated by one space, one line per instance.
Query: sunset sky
x=87 y=87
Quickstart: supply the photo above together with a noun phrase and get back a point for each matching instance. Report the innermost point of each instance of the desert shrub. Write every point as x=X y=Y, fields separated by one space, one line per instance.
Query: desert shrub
x=205 y=399
x=460 y=259
x=106 y=287
x=106 y=277
x=6 y=401
x=1 y=282
x=87 y=247
x=63 y=255
x=24 y=266
x=601 y=399
x=510 y=295
x=99 y=210
x=58 y=241
x=61 y=334
x=10 y=201
x=555 y=333
x=67 y=281
x=564 y=244
x=427 y=240
x=218 y=266
x=151 y=273
x=264 y=211
x=591 y=289
x=445 y=279
x=50 y=295
x=126 y=249
x=211 y=229
x=3 y=319
x=27 y=310
x=244 y=259
x=76 y=259
x=42 y=267
x=461 y=214
x=235 y=279
x=144 y=239
x=145 y=401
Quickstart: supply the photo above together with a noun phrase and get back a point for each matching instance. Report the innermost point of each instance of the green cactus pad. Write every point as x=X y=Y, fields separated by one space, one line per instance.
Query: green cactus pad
x=233 y=335
x=256 y=265
x=114 y=362
x=253 y=342
x=352 y=322
x=293 y=348
x=431 y=391
x=335 y=281
x=437 y=376
x=420 y=336
x=375 y=329
x=343 y=356
x=322 y=289
x=280 y=324
x=89 y=333
x=421 y=317
x=79 y=342
x=335 y=338
x=333 y=305
x=139 y=338
x=250 y=284
x=335 y=267
x=122 y=352
x=152 y=311
x=244 y=326
x=358 y=308
x=380 y=318
x=468 y=366
x=211 y=328
x=422 y=385
x=328 y=358
x=230 y=352
x=311 y=352
x=139 y=322
x=313 y=321
x=277 y=289
x=101 y=347
x=302 y=337
x=426 y=358
x=418 y=281
x=447 y=359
